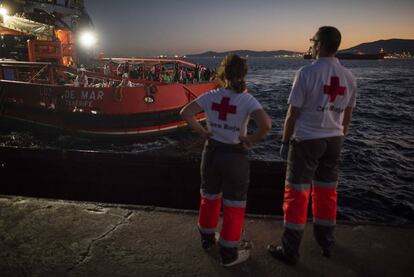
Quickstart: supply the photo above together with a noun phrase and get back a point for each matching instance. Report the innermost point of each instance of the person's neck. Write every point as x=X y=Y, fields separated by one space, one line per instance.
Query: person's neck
x=326 y=55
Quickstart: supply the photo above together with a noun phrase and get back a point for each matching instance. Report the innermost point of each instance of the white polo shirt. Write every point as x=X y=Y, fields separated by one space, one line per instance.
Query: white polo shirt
x=227 y=113
x=322 y=90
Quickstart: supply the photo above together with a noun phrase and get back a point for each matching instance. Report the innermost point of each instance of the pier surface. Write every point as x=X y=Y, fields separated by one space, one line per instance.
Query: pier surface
x=41 y=237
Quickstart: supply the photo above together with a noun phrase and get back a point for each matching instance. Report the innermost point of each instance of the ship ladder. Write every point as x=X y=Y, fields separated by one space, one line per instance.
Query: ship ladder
x=38 y=73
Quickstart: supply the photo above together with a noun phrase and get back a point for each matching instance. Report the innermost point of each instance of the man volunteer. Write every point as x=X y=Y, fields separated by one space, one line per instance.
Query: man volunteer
x=318 y=117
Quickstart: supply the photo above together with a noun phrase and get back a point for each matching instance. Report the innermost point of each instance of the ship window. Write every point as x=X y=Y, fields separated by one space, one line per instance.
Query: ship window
x=8 y=74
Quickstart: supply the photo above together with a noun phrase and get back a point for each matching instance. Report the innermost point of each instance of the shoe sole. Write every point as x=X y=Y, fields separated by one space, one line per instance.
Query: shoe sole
x=239 y=260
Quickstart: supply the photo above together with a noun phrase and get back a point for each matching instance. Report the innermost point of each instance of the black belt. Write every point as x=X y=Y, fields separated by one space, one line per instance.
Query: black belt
x=215 y=145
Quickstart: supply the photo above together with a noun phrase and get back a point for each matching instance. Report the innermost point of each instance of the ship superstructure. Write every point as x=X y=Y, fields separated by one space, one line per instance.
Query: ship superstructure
x=42 y=31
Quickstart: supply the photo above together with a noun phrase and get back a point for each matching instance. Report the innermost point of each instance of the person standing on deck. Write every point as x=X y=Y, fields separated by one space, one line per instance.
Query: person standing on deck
x=225 y=166
x=81 y=80
x=106 y=70
x=320 y=110
x=125 y=82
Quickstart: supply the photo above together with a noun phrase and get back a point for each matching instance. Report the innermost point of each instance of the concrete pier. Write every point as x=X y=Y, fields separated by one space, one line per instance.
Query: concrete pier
x=40 y=237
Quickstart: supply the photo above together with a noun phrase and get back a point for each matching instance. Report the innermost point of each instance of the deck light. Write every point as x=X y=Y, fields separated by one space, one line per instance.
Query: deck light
x=3 y=11
x=87 y=39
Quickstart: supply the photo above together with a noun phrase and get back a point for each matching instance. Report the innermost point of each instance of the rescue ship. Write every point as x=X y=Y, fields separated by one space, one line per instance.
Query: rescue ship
x=41 y=85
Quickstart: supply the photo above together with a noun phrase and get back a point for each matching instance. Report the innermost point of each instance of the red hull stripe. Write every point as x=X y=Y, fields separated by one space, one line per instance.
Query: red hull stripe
x=144 y=130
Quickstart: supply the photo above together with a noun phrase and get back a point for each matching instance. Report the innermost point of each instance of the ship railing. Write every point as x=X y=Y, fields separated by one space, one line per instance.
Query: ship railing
x=45 y=73
x=140 y=69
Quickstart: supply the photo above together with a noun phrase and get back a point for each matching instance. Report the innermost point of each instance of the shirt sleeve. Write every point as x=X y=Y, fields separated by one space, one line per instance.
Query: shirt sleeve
x=253 y=105
x=203 y=100
x=297 y=94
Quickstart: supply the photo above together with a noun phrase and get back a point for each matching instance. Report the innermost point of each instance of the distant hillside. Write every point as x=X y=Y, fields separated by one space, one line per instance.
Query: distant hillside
x=389 y=46
x=244 y=53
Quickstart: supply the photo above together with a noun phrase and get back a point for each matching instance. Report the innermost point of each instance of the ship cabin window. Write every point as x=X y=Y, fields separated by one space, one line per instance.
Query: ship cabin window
x=8 y=74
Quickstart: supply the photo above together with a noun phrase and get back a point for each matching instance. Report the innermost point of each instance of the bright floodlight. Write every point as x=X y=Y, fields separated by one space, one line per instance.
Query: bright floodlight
x=87 y=39
x=3 y=11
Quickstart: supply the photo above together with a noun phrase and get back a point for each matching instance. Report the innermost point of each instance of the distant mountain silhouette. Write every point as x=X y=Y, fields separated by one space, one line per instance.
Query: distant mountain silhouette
x=389 y=46
x=244 y=53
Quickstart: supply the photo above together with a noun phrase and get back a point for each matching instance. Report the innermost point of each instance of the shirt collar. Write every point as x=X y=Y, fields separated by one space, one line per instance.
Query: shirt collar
x=327 y=59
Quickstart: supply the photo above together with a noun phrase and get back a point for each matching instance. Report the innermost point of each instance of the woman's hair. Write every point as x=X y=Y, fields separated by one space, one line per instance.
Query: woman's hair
x=233 y=69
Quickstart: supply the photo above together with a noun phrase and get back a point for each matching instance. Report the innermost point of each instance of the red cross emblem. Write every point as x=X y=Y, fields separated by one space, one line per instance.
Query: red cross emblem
x=223 y=108
x=334 y=89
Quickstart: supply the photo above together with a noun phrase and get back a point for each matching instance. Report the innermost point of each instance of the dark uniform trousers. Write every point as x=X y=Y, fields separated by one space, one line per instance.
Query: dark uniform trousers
x=312 y=164
x=225 y=176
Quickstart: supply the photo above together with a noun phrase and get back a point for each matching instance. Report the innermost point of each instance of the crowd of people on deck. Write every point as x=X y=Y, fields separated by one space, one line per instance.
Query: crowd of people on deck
x=156 y=72
x=161 y=72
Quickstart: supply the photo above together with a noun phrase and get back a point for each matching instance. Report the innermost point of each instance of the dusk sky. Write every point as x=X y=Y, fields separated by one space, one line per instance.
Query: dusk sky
x=154 y=27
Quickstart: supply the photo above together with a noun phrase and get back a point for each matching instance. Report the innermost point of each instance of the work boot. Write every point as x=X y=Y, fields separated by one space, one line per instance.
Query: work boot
x=208 y=240
x=327 y=252
x=325 y=237
x=241 y=255
x=277 y=252
x=245 y=244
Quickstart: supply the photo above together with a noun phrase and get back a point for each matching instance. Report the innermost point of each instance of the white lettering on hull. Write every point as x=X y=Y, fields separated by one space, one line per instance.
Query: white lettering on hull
x=84 y=99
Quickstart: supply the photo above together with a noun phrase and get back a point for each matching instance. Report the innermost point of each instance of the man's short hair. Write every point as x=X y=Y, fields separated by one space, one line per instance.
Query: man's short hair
x=329 y=38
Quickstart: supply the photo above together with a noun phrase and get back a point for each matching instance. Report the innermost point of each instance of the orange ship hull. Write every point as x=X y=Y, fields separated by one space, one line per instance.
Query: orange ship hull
x=147 y=108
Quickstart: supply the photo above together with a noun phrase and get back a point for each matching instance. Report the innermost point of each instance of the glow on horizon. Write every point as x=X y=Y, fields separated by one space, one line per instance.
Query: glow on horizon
x=193 y=26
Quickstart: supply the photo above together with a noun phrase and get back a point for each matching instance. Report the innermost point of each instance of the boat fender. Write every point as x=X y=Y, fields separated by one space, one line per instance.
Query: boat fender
x=118 y=94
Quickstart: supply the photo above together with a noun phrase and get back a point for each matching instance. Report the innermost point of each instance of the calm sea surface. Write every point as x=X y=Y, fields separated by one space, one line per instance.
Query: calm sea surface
x=377 y=171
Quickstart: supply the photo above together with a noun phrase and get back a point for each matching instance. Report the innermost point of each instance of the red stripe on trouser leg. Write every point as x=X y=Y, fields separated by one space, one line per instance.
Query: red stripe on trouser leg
x=233 y=219
x=209 y=213
x=295 y=205
x=324 y=203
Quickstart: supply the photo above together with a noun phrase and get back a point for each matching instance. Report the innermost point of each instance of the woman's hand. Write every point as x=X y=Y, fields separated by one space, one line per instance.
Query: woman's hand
x=247 y=141
x=205 y=134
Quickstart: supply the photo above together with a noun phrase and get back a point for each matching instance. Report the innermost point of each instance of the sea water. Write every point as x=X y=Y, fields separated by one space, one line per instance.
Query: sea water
x=377 y=171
